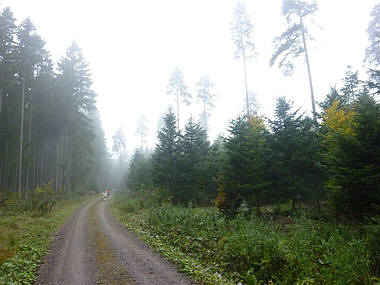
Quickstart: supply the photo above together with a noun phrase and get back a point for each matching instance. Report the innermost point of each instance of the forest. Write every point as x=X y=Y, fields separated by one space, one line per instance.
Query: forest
x=291 y=199
x=288 y=199
x=50 y=130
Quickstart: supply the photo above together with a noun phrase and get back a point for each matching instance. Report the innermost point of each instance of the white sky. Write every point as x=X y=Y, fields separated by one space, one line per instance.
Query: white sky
x=134 y=45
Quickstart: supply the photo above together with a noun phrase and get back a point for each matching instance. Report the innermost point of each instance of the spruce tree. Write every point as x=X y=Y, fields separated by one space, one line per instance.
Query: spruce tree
x=294 y=154
x=166 y=157
x=194 y=148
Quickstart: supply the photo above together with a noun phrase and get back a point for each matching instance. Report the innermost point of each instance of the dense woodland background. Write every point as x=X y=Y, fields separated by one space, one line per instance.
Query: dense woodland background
x=291 y=198
x=329 y=161
x=50 y=130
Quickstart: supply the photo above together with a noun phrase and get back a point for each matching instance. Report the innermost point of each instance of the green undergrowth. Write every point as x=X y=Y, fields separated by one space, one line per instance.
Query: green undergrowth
x=25 y=237
x=248 y=249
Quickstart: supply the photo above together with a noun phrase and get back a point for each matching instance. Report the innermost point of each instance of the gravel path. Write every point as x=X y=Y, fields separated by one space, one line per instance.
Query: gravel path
x=93 y=248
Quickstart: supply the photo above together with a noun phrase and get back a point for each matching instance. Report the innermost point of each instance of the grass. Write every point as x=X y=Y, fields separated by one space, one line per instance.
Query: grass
x=25 y=237
x=109 y=270
x=248 y=249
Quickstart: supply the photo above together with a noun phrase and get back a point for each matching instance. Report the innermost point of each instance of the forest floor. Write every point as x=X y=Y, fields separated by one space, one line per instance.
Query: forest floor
x=93 y=248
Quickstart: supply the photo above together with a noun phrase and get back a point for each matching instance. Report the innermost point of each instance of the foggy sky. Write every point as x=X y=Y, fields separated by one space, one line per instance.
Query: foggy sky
x=133 y=47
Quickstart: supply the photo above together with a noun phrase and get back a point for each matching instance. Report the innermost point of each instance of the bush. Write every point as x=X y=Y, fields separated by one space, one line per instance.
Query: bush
x=41 y=199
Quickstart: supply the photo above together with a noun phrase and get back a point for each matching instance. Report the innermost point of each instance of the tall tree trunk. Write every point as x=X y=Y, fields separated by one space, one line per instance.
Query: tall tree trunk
x=35 y=162
x=308 y=69
x=61 y=166
x=245 y=81
x=177 y=108
x=1 y=99
x=29 y=147
x=56 y=165
x=41 y=167
x=6 y=166
x=45 y=177
x=205 y=115
x=21 y=139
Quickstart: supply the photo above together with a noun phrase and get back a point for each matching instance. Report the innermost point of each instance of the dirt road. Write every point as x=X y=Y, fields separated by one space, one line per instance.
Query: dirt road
x=93 y=248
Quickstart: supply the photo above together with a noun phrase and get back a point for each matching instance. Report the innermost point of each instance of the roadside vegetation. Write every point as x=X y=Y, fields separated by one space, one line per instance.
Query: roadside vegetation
x=282 y=247
x=285 y=200
x=26 y=230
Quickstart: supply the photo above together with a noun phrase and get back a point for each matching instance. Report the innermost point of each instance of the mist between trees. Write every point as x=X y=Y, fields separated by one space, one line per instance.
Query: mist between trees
x=332 y=165
x=49 y=125
x=328 y=162
x=50 y=131
x=52 y=142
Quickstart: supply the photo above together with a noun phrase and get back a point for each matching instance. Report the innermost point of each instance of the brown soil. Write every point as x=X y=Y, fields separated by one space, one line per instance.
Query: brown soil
x=93 y=248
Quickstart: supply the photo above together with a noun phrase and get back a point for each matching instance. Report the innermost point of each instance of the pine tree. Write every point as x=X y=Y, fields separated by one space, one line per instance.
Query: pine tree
x=142 y=130
x=9 y=103
x=119 y=147
x=241 y=33
x=194 y=147
x=7 y=52
x=206 y=98
x=166 y=156
x=77 y=100
x=353 y=155
x=372 y=53
x=292 y=43
x=177 y=88
x=29 y=54
x=235 y=181
x=295 y=152
x=139 y=175
x=247 y=176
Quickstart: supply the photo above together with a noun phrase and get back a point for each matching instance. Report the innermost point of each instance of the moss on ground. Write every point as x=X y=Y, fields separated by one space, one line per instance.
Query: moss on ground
x=109 y=269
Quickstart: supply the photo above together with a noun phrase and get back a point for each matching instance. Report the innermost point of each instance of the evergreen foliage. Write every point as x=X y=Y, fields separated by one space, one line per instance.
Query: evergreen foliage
x=49 y=125
x=194 y=148
x=294 y=146
x=166 y=156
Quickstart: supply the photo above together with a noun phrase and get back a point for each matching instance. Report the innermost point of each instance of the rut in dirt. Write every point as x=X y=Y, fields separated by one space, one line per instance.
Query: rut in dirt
x=93 y=248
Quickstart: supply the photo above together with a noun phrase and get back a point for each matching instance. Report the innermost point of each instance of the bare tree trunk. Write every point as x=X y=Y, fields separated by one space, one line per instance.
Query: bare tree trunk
x=21 y=139
x=29 y=147
x=308 y=69
x=6 y=166
x=56 y=165
x=205 y=115
x=4 y=169
x=69 y=173
x=177 y=108
x=45 y=177
x=245 y=81
x=35 y=163
x=1 y=99
x=41 y=166
x=61 y=166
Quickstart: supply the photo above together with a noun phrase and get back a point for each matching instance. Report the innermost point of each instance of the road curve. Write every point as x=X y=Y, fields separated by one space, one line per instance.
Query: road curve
x=93 y=248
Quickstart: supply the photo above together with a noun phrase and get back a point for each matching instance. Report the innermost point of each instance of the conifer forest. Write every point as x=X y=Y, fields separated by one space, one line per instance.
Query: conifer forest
x=279 y=196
